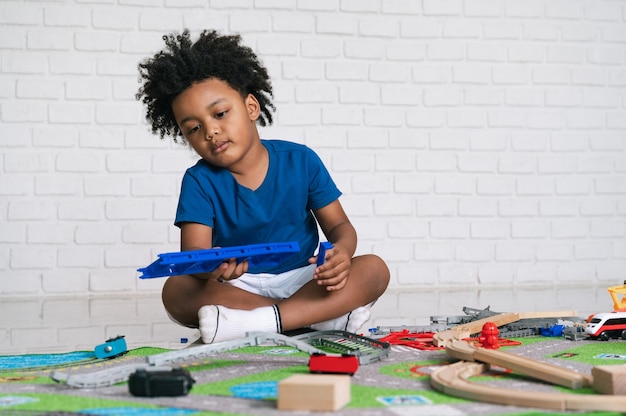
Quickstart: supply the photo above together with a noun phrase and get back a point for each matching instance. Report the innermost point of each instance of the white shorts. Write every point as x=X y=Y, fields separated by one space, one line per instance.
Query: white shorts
x=275 y=286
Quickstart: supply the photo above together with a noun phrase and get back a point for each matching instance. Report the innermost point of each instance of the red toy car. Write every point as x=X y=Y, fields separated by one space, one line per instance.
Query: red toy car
x=333 y=364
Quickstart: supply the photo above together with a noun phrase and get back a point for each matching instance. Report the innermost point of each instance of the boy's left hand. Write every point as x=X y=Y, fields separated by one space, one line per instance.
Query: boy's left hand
x=335 y=271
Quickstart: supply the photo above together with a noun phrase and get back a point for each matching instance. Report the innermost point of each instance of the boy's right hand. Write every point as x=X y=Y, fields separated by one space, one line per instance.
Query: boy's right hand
x=228 y=270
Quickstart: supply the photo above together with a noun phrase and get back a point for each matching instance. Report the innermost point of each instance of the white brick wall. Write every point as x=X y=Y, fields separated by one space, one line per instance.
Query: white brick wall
x=476 y=142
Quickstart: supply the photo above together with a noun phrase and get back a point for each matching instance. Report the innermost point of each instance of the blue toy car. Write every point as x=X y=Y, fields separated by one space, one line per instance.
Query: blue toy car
x=113 y=347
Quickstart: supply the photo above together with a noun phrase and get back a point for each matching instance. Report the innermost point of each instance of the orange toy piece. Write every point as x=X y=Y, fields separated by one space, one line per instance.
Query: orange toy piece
x=489 y=336
x=619 y=305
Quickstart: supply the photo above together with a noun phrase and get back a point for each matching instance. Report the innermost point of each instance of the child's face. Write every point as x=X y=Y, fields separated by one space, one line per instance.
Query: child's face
x=217 y=122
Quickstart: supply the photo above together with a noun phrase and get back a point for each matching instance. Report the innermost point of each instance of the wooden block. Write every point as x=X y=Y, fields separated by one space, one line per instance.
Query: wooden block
x=318 y=392
x=609 y=379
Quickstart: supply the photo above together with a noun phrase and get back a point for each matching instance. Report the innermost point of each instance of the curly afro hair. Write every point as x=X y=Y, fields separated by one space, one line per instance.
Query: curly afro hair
x=183 y=63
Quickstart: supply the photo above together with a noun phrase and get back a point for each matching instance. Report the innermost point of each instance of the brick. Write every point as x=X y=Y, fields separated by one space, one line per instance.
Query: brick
x=13 y=233
x=489 y=230
x=517 y=208
x=336 y=24
x=49 y=40
x=535 y=186
x=413 y=183
x=531 y=8
x=477 y=208
x=54 y=136
x=554 y=252
x=479 y=252
x=62 y=16
x=79 y=257
x=514 y=252
x=426 y=29
x=129 y=209
x=449 y=229
x=387 y=163
x=107 y=281
x=30 y=210
x=124 y=257
x=67 y=113
x=144 y=234
x=386 y=117
x=71 y=65
x=558 y=208
x=106 y=185
x=434 y=162
x=49 y=233
x=83 y=210
x=458 y=185
x=32 y=258
x=17 y=185
x=457 y=275
x=63 y=281
x=87 y=89
x=17 y=13
x=529 y=229
x=117 y=114
x=294 y=23
x=96 y=234
x=566 y=229
x=437 y=206
x=250 y=22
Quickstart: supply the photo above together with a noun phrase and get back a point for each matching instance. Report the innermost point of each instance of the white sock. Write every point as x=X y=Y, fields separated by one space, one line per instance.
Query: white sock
x=219 y=323
x=350 y=322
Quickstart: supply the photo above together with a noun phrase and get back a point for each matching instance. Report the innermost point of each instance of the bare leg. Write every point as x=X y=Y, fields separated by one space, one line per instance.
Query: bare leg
x=368 y=280
x=183 y=296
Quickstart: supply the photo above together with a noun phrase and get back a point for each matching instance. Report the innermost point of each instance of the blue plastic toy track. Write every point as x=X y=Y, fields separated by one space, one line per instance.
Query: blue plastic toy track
x=199 y=261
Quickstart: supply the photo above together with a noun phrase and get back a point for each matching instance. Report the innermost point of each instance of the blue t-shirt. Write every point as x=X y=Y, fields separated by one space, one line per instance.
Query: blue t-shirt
x=277 y=211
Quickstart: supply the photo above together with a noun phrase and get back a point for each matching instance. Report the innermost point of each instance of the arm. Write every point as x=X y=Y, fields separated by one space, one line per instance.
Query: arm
x=337 y=228
x=194 y=236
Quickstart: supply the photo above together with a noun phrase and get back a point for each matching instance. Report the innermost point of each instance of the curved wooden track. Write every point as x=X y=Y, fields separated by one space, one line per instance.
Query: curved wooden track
x=452 y=380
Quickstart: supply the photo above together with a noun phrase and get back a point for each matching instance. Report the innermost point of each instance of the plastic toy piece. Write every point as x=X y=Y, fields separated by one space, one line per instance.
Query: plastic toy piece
x=489 y=336
x=113 y=347
x=606 y=326
x=328 y=364
x=199 y=261
x=149 y=382
x=367 y=350
x=316 y=392
x=419 y=340
x=321 y=254
x=619 y=305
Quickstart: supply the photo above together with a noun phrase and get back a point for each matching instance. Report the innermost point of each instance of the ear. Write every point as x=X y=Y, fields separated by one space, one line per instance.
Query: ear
x=253 y=107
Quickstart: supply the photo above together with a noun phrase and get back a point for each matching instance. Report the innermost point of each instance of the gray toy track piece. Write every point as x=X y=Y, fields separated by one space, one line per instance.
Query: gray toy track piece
x=119 y=374
x=97 y=379
x=253 y=339
x=368 y=350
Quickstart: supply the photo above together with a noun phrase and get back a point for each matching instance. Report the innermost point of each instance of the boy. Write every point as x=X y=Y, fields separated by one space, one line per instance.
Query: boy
x=245 y=190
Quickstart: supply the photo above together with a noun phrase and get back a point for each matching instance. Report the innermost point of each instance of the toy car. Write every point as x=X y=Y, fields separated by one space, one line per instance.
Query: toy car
x=159 y=382
x=607 y=325
x=333 y=364
x=113 y=347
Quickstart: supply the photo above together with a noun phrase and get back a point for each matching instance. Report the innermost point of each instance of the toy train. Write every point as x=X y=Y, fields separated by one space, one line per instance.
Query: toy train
x=607 y=325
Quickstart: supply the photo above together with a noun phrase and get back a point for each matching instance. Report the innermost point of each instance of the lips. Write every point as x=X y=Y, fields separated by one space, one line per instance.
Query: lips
x=220 y=146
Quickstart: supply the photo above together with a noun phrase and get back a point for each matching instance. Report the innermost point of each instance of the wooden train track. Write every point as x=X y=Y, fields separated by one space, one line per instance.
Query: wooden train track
x=453 y=379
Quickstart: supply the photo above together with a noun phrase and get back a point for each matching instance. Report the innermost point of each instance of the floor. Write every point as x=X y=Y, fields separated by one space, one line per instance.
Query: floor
x=58 y=324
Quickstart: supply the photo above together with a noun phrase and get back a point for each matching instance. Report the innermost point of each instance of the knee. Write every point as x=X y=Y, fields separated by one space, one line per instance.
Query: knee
x=176 y=300
x=382 y=272
x=377 y=271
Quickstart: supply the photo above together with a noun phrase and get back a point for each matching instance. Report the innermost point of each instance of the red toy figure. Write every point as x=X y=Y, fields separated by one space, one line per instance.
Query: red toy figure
x=489 y=336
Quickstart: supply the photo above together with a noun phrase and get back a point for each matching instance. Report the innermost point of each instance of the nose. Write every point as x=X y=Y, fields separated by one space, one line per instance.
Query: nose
x=212 y=131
